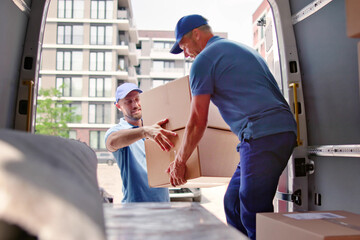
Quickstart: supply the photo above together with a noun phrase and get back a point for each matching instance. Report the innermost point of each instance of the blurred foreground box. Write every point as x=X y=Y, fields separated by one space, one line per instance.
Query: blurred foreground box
x=314 y=225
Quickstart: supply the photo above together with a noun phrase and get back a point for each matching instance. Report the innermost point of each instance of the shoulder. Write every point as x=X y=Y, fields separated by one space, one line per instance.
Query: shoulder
x=118 y=127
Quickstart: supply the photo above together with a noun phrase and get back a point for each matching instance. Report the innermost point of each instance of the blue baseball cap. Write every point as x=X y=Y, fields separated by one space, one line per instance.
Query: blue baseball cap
x=185 y=25
x=124 y=89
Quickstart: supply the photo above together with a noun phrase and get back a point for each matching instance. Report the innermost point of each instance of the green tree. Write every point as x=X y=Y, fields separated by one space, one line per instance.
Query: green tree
x=53 y=114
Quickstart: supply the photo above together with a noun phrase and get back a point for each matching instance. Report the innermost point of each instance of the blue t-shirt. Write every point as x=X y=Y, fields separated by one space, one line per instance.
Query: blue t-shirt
x=132 y=163
x=243 y=88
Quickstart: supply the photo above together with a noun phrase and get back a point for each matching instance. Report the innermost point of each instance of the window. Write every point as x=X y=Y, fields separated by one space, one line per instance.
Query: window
x=158 y=82
x=121 y=65
x=75 y=108
x=69 y=86
x=97 y=140
x=101 y=9
x=70 y=8
x=72 y=134
x=162 y=65
x=122 y=38
x=163 y=45
x=100 y=87
x=99 y=113
x=188 y=64
x=100 y=61
x=70 y=34
x=69 y=60
x=101 y=35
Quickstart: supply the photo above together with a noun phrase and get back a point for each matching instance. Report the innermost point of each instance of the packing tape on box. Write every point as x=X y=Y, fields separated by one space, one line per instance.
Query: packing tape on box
x=344 y=224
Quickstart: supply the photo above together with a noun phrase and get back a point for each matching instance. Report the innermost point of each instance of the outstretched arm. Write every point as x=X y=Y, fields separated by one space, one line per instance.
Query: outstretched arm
x=125 y=137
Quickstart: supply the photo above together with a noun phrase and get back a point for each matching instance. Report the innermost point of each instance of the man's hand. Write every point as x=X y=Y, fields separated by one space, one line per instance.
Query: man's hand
x=176 y=172
x=160 y=135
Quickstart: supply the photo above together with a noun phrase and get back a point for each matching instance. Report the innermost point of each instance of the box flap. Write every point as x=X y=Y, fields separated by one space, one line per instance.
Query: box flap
x=171 y=100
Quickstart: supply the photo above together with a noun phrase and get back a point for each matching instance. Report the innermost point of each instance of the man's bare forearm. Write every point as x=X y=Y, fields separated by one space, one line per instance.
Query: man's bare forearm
x=191 y=138
x=124 y=138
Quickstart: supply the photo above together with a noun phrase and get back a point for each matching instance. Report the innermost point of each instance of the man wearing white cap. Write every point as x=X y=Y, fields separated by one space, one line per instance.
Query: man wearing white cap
x=238 y=81
x=126 y=141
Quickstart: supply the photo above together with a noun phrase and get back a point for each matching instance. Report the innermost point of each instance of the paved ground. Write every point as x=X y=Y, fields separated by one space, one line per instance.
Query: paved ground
x=212 y=198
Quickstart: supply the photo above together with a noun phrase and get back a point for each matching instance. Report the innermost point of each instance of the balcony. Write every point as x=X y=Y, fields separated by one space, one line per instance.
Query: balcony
x=133 y=54
x=167 y=73
x=122 y=14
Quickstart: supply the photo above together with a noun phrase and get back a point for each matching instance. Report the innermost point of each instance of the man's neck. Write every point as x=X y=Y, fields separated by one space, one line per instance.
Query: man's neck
x=134 y=122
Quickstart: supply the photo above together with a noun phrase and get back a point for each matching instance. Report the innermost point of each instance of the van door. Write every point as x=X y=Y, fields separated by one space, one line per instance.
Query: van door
x=317 y=54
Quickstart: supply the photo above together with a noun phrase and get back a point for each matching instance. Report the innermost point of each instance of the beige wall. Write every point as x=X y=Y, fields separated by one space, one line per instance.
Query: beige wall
x=52 y=12
x=50 y=33
x=47 y=82
x=48 y=59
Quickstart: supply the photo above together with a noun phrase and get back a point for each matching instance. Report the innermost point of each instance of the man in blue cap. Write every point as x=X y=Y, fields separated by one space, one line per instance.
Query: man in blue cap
x=238 y=81
x=126 y=141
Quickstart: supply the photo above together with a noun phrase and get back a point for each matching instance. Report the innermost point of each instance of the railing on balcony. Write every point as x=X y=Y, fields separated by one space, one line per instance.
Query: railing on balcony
x=122 y=14
x=168 y=70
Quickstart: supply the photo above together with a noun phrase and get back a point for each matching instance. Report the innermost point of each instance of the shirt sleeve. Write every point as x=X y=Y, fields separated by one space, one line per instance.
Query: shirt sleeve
x=201 y=77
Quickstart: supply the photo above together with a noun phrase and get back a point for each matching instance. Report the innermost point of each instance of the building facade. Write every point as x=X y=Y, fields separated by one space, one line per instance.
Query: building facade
x=89 y=48
x=157 y=65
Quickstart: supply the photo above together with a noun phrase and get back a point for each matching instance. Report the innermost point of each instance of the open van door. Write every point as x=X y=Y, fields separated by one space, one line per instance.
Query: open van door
x=22 y=24
x=319 y=63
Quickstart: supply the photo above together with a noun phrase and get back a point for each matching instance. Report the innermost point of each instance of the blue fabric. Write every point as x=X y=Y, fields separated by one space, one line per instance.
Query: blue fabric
x=253 y=185
x=243 y=89
x=132 y=163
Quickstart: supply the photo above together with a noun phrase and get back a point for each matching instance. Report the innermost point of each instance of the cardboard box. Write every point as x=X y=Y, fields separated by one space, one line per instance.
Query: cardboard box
x=308 y=225
x=212 y=163
x=358 y=50
x=172 y=100
x=353 y=18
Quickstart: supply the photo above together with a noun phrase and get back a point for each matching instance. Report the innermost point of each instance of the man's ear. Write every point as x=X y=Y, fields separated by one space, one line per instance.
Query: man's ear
x=196 y=34
x=118 y=106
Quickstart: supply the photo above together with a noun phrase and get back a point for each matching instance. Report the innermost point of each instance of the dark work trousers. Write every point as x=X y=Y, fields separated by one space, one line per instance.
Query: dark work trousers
x=253 y=185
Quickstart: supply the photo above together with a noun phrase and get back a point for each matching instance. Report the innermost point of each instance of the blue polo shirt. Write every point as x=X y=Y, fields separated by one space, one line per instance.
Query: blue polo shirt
x=132 y=163
x=243 y=88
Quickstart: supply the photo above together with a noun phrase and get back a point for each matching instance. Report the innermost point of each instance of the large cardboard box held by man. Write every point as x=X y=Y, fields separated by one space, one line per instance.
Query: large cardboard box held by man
x=212 y=163
x=172 y=100
x=315 y=225
x=214 y=160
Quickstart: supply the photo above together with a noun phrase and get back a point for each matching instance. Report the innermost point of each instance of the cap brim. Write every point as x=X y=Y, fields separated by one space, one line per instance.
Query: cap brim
x=126 y=93
x=176 y=49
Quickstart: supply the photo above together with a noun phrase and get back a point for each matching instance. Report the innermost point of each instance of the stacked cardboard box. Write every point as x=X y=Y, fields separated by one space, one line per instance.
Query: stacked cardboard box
x=315 y=225
x=353 y=18
x=213 y=161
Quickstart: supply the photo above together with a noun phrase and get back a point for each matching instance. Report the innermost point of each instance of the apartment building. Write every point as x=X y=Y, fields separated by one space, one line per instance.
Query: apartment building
x=89 y=48
x=157 y=65
x=264 y=38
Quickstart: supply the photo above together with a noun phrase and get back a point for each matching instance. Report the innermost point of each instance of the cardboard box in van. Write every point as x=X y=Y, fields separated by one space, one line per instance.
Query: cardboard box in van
x=313 y=225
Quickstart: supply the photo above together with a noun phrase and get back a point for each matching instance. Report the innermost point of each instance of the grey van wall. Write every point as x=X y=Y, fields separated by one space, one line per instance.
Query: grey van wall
x=13 y=23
